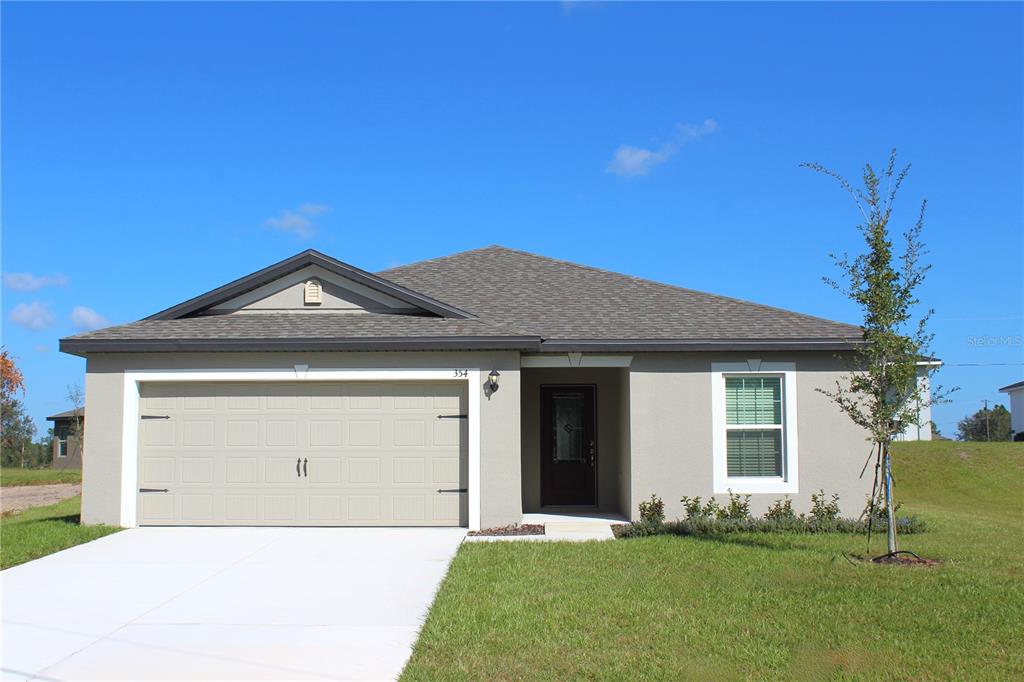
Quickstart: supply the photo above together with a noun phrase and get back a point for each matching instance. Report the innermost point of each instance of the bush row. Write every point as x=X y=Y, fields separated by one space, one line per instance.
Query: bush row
x=712 y=518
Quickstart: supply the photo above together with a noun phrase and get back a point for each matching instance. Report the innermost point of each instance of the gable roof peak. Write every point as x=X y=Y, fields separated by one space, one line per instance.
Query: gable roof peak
x=297 y=262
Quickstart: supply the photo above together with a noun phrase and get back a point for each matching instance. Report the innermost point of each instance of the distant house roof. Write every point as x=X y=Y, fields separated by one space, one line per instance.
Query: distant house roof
x=67 y=414
x=1012 y=387
x=493 y=298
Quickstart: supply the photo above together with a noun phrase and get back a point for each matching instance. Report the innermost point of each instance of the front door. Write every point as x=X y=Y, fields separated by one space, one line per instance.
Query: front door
x=568 y=446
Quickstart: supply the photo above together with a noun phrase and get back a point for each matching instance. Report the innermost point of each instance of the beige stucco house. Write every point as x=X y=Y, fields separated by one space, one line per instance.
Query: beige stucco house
x=464 y=390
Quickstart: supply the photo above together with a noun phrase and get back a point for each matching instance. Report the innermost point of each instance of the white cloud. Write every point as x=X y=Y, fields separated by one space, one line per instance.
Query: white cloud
x=26 y=281
x=299 y=220
x=86 y=319
x=629 y=161
x=41 y=348
x=35 y=316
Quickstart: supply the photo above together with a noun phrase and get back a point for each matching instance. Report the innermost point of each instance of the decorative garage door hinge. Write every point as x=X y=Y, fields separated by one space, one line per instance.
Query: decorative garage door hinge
x=453 y=416
x=153 y=490
x=156 y=416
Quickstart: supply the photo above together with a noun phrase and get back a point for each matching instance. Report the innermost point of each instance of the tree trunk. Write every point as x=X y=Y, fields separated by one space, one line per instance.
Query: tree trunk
x=890 y=516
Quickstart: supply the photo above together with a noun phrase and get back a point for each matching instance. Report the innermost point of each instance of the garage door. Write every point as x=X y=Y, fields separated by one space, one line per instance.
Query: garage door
x=303 y=454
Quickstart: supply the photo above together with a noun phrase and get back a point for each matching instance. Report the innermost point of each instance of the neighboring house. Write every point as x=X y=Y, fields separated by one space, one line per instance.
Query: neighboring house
x=67 y=440
x=921 y=429
x=463 y=390
x=1016 y=393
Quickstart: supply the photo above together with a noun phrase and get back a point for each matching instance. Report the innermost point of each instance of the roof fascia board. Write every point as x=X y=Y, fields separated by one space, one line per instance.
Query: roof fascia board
x=656 y=345
x=84 y=346
x=296 y=262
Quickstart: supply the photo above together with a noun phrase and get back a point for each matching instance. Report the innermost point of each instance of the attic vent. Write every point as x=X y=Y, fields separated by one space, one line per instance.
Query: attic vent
x=311 y=293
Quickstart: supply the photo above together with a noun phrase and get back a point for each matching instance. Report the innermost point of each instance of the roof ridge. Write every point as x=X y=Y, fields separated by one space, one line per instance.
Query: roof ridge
x=435 y=259
x=642 y=280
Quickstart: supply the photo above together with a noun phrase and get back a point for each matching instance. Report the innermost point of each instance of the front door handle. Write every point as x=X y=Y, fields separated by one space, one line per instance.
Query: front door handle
x=298 y=470
x=305 y=468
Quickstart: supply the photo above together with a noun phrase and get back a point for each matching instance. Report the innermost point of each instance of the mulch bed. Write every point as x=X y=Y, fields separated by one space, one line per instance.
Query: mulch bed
x=513 y=529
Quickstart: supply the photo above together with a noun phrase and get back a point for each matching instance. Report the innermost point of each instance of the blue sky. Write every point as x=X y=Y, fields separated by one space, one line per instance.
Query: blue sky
x=154 y=151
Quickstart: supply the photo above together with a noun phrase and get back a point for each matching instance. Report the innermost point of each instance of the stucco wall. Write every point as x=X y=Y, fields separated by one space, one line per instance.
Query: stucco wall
x=73 y=453
x=1016 y=410
x=654 y=425
x=922 y=428
x=499 y=416
x=612 y=449
x=671 y=432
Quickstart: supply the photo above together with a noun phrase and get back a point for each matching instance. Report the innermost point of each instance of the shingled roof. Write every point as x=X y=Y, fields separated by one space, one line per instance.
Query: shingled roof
x=495 y=298
x=566 y=303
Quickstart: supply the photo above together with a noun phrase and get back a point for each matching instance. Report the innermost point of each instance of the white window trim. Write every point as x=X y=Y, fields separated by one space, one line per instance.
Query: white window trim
x=130 y=424
x=789 y=482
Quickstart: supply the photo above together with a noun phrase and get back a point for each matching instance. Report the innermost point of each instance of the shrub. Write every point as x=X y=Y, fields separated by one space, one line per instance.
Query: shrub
x=691 y=505
x=780 y=509
x=710 y=518
x=652 y=511
x=821 y=511
x=710 y=527
x=738 y=507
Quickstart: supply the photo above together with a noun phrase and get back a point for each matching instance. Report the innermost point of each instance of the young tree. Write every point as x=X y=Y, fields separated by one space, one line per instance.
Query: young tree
x=16 y=429
x=76 y=432
x=881 y=392
x=986 y=424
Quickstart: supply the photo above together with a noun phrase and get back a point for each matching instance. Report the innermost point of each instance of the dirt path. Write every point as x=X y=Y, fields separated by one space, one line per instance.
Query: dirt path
x=24 y=496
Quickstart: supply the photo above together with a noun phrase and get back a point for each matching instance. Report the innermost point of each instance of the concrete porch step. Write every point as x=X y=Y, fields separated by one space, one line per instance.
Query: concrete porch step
x=579 y=530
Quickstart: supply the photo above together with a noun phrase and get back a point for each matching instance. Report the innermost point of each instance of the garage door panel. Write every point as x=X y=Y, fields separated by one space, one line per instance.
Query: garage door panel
x=282 y=470
x=323 y=470
x=303 y=454
x=158 y=434
x=240 y=470
x=326 y=433
x=241 y=507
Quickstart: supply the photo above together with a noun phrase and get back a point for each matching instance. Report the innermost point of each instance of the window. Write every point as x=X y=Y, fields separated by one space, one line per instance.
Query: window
x=62 y=446
x=754 y=421
x=753 y=417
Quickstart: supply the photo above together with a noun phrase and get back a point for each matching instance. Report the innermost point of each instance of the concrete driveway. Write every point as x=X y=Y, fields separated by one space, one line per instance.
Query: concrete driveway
x=224 y=603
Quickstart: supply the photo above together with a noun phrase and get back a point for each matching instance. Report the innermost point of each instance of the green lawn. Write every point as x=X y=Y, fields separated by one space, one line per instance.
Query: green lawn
x=11 y=476
x=755 y=606
x=40 y=531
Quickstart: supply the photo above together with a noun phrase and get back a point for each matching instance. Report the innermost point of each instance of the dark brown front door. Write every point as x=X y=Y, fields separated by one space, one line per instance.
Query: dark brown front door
x=568 y=446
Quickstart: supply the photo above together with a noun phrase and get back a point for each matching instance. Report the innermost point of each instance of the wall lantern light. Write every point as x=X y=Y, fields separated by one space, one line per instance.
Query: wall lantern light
x=492 y=380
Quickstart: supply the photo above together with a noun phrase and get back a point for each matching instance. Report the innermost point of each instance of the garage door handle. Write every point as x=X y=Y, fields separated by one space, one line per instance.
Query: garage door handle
x=298 y=467
x=305 y=468
x=453 y=490
x=153 y=490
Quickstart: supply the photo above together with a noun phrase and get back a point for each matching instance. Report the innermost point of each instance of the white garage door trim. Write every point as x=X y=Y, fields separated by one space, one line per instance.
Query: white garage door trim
x=130 y=428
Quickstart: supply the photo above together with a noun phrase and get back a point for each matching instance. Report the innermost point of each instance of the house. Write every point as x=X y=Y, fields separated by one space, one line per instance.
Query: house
x=921 y=428
x=1016 y=393
x=67 y=439
x=462 y=390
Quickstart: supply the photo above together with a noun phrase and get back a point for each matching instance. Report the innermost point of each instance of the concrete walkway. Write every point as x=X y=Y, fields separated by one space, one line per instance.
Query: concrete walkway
x=224 y=603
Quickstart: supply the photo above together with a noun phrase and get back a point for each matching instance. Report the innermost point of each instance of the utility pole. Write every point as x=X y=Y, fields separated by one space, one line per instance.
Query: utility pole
x=988 y=436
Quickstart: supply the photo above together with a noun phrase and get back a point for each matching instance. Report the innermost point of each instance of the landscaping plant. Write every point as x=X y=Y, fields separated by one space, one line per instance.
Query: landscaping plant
x=882 y=392
x=712 y=519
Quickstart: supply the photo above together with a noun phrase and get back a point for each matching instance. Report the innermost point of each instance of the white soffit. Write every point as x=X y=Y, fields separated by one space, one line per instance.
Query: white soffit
x=575 y=360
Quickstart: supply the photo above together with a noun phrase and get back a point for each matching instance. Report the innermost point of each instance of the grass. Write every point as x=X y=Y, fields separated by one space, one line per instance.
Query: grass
x=755 y=606
x=12 y=476
x=40 y=531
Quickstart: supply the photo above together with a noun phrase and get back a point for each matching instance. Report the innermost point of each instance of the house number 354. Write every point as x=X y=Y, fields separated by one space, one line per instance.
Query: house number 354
x=461 y=373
